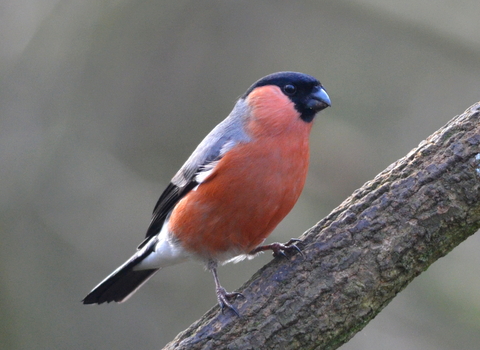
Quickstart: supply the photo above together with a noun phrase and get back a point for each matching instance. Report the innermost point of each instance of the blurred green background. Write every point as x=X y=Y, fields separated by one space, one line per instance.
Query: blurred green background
x=101 y=101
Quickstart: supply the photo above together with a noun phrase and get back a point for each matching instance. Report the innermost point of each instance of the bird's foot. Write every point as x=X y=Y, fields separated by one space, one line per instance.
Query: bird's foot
x=279 y=249
x=224 y=297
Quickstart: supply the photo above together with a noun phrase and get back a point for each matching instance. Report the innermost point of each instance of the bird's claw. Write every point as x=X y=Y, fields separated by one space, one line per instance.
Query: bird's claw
x=224 y=297
x=279 y=249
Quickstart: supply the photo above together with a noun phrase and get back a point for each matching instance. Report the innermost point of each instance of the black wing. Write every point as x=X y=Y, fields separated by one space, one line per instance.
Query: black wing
x=222 y=138
x=164 y=206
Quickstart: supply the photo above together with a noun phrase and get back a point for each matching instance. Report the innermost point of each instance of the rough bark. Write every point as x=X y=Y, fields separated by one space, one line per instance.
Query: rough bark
x=361 y=255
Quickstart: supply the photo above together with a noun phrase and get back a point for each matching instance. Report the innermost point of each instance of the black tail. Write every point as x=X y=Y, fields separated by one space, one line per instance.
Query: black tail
x=122 y=282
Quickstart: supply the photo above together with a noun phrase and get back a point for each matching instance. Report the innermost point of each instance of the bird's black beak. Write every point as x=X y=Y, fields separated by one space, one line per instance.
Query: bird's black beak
x=318 y=100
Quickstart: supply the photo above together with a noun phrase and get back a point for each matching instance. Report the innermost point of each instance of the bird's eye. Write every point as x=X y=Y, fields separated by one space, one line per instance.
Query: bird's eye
x=289 y=89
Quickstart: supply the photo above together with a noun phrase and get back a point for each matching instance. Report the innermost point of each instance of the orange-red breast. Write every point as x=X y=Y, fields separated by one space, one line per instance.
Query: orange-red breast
x=235 y=188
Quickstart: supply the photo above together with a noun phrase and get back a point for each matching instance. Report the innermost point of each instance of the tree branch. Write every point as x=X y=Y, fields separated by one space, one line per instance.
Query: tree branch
x=361 y=255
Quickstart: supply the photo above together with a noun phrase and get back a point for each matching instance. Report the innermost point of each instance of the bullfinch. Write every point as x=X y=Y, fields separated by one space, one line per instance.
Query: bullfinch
x=234 y=189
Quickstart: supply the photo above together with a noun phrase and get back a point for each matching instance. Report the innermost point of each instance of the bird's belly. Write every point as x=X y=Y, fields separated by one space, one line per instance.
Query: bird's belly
x=236 y=208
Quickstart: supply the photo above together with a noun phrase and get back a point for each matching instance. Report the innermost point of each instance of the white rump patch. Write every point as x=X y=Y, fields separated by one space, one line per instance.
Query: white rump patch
x=166 y=252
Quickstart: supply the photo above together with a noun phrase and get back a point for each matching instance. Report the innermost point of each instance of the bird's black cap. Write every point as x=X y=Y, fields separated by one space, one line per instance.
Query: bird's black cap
x=305 y=91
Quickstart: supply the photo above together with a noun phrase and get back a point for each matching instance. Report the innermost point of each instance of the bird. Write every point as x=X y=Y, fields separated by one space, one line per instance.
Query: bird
x=235 y=188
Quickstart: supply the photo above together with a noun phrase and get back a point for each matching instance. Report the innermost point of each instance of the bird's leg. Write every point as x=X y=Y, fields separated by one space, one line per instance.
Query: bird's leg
x=223 y=296
x=279 y=249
